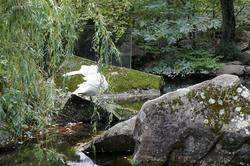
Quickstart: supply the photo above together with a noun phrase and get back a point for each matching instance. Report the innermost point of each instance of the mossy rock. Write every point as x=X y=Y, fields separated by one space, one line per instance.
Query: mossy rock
x=120 y=79
x=204 y=124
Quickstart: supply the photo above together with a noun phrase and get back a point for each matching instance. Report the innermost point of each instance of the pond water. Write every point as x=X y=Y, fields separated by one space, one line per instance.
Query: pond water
x=182 y=82
x=74 y=134
x=65 y=144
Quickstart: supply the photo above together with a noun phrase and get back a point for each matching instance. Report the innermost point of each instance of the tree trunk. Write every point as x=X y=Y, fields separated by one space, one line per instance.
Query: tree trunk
x=228 y=21
x=228 y=29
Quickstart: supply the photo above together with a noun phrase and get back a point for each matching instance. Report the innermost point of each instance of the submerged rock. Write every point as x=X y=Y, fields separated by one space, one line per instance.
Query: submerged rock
x=204 y=124
x=118 y=138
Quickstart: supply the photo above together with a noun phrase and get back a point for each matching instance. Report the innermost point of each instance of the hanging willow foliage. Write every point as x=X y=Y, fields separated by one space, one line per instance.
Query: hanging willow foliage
x=35 y=37
x=103 y=43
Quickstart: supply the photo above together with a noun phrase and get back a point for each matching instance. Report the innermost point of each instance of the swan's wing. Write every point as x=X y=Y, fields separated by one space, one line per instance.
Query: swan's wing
x=86 y=89
x=82 y=84
x=72 y=73
x=97 y=80
x=89 y=70
x=93 y=79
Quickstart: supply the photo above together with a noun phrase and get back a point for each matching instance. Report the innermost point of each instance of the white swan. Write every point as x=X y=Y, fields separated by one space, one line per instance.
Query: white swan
x=94 y=83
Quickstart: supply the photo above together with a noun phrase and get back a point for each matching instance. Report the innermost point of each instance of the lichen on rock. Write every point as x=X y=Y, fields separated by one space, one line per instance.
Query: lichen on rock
x=213 y=117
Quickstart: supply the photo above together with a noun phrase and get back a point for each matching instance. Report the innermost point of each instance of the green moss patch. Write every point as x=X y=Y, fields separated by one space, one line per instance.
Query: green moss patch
x=134 y=105
x=120 y=79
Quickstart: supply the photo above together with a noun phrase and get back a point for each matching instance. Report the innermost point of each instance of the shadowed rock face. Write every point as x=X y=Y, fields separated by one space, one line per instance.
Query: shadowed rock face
x=78 y=109
x=204 y=124
x=118 y=138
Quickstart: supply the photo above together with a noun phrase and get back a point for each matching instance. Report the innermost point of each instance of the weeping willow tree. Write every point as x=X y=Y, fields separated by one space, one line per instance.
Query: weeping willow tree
x=114 y=12
x=35 y=36
x=103 y=43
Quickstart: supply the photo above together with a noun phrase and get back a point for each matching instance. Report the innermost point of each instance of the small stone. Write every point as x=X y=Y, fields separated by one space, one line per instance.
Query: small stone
x=238 y=109
x=211 y=101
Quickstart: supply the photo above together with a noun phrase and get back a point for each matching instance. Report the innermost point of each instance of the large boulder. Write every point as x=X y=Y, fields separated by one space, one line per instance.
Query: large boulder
x=204 y=124
x=118 y=138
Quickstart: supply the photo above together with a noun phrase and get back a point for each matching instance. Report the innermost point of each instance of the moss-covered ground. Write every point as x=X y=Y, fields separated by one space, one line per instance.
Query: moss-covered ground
x=120 y=79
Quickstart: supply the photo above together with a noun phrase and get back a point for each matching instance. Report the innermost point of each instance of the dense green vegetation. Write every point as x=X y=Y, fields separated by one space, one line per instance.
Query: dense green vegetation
x=35 y=37
x=187 y=62
x=172 y=29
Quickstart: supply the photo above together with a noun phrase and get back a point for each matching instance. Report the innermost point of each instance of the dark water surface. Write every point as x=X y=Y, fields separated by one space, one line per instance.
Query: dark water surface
x=65 y=144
